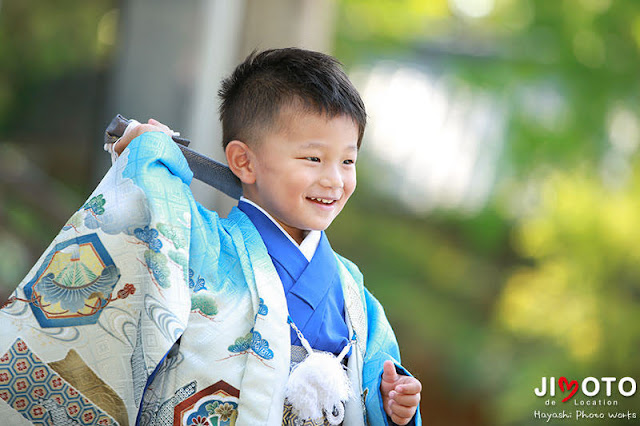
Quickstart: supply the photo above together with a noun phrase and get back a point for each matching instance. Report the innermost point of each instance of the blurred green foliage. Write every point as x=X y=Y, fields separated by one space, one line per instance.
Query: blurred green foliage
x=544 y=280
x=52 y=59
x=43 y=41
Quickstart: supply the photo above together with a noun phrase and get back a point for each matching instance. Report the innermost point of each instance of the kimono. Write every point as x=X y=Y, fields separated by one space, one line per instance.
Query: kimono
x=149 y=309
x=312 y=286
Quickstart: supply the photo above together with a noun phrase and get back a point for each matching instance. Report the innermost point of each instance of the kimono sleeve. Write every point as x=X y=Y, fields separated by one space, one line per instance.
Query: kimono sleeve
x=381 y=346
x=100 y=309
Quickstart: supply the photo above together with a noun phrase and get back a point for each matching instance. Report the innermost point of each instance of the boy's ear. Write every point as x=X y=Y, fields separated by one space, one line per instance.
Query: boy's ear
x=240 y=161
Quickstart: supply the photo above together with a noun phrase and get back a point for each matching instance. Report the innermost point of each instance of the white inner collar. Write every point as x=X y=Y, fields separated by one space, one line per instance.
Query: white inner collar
x=307 y=247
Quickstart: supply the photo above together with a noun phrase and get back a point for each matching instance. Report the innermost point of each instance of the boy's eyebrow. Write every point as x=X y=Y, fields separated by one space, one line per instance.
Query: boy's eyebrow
x=314 y=144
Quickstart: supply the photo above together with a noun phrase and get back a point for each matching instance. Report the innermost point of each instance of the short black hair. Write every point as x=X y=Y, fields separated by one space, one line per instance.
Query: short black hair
x=254 y=94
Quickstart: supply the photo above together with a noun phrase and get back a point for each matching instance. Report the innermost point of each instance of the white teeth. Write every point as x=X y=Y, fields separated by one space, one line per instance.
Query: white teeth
x=322 y=200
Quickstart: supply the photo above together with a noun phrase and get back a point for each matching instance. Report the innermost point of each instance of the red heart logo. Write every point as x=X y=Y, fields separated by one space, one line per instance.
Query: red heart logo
x=570 y=385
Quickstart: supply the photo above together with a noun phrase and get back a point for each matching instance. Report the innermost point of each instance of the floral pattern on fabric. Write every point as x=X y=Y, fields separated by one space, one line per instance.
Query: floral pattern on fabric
x=216 y=405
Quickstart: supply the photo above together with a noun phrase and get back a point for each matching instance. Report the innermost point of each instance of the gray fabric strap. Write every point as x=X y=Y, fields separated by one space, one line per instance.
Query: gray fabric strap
x=204 y=168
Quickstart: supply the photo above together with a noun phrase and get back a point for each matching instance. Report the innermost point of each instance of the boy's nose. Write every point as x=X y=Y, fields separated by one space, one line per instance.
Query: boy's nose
x=331 y=178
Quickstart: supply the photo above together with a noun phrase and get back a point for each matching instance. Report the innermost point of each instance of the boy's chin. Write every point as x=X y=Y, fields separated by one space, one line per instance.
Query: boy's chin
x=320 y=225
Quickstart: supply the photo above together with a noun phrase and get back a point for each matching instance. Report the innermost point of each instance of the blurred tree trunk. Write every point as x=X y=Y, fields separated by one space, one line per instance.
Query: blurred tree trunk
x=173 y=55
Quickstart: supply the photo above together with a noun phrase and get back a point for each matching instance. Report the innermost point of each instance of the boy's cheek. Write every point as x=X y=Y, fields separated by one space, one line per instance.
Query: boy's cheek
x=350 y=186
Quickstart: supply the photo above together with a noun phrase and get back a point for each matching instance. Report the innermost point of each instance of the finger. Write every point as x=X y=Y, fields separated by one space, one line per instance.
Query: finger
x=399 y=420
x=405 y=400
x=387 y=408
x=389 y=373
x=163 y=127
x=130 y=130
x=155 y=122
x=131 y=133
x=402 y=411
x=408 y=385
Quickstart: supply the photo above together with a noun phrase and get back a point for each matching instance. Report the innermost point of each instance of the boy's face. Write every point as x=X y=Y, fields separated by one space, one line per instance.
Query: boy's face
x=305 y=171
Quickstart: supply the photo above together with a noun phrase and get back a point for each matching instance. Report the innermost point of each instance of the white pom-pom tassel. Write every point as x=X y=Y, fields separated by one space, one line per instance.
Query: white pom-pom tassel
x=319 y=386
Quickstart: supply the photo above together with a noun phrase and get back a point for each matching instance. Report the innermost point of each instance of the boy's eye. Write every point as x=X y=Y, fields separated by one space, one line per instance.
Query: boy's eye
x=348 y=162
x=314 y=159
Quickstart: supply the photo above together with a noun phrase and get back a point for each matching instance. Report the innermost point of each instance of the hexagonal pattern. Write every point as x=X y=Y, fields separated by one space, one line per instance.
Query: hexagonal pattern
x=73 y=409
x=89 y=416
x=40 y=287
x=39 y=375
x=5 y=395
x=40 y=394
x=6 y=376
x=37 y=412
x=20 y=386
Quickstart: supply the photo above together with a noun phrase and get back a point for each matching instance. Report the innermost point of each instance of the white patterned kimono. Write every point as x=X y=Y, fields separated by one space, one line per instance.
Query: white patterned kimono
x=91 y=331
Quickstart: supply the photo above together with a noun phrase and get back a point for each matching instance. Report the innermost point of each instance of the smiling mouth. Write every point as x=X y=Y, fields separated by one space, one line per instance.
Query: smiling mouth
x=324 y=201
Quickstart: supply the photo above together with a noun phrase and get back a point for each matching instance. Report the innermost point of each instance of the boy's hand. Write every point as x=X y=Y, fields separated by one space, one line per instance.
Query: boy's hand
x=400 y=394
x=133 y=132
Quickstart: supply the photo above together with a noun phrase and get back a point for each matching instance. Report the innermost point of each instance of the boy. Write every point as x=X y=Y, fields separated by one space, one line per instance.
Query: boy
x=260 y=283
